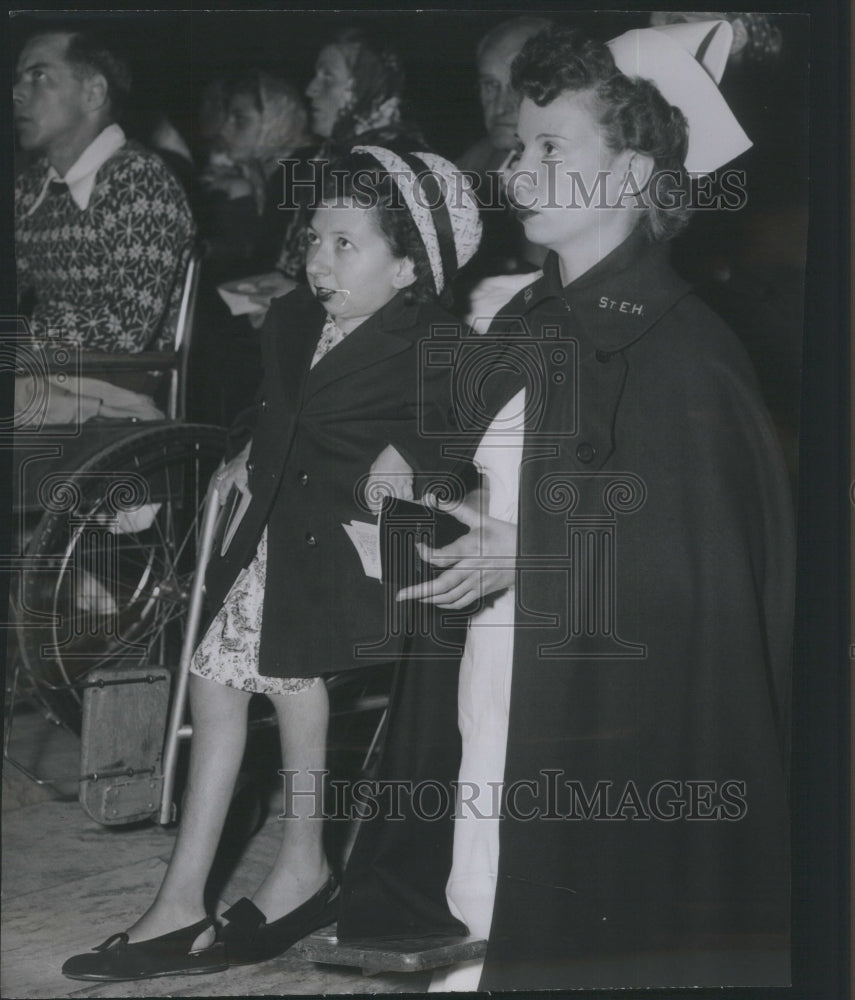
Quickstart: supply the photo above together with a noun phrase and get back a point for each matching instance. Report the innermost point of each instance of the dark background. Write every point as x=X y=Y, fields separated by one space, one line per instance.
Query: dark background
x=749 y=265
x=174 y=53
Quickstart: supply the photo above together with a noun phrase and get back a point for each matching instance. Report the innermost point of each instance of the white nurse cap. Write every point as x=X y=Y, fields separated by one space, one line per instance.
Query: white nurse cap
x=686 y=62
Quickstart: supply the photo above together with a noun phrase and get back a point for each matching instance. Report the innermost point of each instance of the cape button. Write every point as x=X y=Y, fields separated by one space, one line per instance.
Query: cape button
x=586 y=452
x=310 y=539
x=303 y=478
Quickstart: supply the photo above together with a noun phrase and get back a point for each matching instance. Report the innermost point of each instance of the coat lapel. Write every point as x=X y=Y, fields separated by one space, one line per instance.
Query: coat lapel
x=386 y=333
x=296 y=342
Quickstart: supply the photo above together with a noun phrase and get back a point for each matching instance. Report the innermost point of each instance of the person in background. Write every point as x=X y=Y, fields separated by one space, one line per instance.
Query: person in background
x=504 y=249
x=499 y=101
x=242 y=226
x=356 y=95
x=265 y=122
x=103 y=231
x=102 y=228
x=208 y=121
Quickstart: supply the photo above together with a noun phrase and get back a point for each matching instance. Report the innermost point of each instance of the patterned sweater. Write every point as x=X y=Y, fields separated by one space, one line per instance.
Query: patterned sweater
x=108 y=277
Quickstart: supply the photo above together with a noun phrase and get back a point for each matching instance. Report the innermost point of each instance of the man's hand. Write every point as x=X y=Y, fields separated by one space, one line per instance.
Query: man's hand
x=389 y=476
x=480 y=562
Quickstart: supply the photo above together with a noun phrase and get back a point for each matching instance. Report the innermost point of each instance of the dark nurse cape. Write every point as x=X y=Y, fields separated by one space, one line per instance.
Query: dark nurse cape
x=644 y=839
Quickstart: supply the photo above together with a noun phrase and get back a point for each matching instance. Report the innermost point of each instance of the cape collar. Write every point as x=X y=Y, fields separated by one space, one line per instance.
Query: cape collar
x=617 y=300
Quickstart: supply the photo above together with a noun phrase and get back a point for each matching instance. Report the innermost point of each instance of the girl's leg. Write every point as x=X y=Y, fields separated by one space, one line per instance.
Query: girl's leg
x=301 y=866
x=219 y=716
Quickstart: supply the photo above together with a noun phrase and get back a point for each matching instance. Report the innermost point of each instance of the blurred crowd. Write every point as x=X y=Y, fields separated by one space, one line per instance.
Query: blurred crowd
x=232 y=186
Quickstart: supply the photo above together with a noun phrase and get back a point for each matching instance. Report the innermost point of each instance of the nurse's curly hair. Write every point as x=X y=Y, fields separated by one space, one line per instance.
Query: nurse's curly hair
x=631 y=111
x=357 y=176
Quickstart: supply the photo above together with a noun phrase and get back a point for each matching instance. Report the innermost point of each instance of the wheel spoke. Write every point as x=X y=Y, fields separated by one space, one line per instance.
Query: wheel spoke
x=145 y=574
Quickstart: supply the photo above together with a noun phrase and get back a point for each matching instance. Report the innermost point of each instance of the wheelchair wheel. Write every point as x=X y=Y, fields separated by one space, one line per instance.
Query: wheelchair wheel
x=110 y=564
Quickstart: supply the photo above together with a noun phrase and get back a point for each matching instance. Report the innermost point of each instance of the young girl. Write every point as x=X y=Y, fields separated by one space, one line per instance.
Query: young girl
x=341 y=366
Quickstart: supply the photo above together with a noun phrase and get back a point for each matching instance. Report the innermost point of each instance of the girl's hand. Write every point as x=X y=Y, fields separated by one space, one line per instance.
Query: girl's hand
x=480 y=562
x=233 y=473
x=389 y=476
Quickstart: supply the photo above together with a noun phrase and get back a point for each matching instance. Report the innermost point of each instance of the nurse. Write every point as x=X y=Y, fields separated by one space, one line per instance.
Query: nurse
x=634 y=718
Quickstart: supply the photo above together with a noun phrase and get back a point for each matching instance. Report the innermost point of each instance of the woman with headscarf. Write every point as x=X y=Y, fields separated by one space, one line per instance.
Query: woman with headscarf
x=354 y=97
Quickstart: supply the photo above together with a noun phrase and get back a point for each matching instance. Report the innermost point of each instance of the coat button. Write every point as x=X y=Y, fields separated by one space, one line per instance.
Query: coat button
x=250 y=467
x=603 y=357
x=264 y=404
x=585 y=452
x=310 y=539
x=303 y=478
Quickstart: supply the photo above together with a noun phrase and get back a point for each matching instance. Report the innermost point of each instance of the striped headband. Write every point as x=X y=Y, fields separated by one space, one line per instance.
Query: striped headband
x=449 y=234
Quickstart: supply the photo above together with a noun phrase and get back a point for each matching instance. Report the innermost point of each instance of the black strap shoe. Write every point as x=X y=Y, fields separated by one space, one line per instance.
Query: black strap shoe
x=117 y=960
x=249 y=938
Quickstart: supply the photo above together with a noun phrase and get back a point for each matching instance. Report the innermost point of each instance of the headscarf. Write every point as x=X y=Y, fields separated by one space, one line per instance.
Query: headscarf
x=372 y=115
x=377 y=82
x=283 y=126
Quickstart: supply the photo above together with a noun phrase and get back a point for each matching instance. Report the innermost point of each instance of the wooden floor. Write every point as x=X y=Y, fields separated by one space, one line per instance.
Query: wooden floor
x=69 y=883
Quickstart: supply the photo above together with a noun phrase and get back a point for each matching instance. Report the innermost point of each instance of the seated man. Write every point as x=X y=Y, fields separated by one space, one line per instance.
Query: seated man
x=102 y=228
x=499 y=101
x=504 y=249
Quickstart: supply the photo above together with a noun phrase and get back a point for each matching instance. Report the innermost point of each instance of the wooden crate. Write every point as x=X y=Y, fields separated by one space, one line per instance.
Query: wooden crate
x=124 y=724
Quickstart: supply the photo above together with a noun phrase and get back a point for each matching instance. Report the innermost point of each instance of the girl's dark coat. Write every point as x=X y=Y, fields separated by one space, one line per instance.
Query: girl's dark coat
x=315 y=434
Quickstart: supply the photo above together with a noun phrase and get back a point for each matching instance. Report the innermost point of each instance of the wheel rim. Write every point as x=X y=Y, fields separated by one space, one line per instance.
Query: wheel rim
x=119 y=582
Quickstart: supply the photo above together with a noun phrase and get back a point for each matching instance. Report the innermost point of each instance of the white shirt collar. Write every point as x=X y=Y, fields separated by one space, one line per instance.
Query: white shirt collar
x=80 y=176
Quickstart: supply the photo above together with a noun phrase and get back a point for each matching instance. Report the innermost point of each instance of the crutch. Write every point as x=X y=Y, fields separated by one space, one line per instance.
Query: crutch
x=177 y=729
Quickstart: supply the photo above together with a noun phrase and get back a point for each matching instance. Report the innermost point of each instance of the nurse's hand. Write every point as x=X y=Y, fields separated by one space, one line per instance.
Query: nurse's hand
x=389 y=476
x=233 y=473
x=480 y=562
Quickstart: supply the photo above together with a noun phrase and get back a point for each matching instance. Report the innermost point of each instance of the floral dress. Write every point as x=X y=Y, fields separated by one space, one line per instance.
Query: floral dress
x=228 y=653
